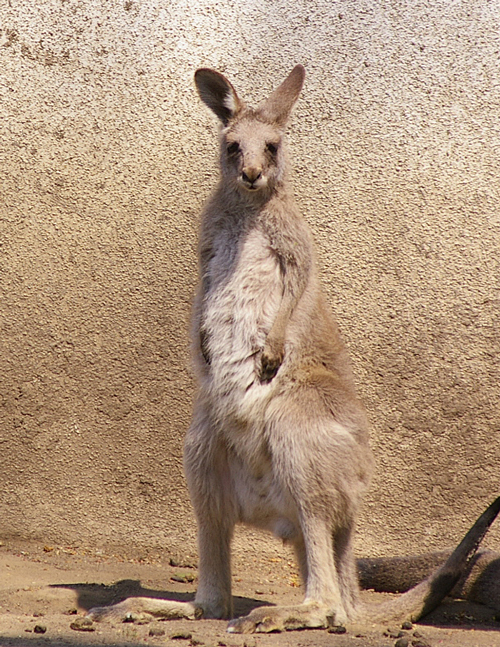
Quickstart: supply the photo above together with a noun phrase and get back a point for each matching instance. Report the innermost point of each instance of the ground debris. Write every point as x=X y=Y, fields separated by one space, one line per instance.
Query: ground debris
x=185 y=578
x=157 y=630
x=182 y=563
x=39 y=629
x=181 y=635
x=82 y=624
x=403 y=641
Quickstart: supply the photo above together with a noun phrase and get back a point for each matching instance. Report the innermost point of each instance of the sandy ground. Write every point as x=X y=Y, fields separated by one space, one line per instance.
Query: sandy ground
x=44 y=590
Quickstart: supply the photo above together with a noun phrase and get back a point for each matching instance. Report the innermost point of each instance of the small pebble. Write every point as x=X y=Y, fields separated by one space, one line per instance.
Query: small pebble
x=181 y=635
x=82 y=624
x=39 y=629
x=157 y=630
x=182 y=577
x=404 y=641
x=179 y=563
x=407 y=626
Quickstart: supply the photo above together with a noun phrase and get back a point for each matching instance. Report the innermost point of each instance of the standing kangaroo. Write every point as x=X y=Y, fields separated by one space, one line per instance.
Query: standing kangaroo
x=279 y=439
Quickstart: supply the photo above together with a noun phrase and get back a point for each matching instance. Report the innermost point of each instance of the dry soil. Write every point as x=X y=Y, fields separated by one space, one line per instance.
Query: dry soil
x=44 y=590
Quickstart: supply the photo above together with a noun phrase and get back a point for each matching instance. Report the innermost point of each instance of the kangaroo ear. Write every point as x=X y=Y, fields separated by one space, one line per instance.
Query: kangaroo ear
x=217 y=93
x=279 y=105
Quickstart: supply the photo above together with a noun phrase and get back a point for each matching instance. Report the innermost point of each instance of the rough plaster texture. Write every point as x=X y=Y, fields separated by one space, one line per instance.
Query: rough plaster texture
x=106 y=156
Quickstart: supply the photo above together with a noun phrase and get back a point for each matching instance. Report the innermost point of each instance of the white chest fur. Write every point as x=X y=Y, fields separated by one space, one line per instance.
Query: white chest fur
x=245 y=289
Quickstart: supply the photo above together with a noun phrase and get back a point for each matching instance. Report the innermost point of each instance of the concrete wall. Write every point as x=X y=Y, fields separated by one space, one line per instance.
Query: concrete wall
x=106 y=156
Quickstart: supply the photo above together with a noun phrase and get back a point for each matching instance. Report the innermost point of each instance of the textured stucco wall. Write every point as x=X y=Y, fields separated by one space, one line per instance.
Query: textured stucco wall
x=106 y=156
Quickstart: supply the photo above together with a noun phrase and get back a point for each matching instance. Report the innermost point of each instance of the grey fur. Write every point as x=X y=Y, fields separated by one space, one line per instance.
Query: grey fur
x=279 y=439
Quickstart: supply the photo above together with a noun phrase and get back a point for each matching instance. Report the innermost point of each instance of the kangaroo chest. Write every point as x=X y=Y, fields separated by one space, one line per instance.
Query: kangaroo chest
x=244 y=294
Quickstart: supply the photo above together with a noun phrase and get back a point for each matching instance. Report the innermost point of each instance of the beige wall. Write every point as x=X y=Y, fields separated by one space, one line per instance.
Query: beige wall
x=106 y=156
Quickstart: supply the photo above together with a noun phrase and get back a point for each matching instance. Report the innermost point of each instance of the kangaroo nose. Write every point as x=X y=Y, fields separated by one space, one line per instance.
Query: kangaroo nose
x=251 y=174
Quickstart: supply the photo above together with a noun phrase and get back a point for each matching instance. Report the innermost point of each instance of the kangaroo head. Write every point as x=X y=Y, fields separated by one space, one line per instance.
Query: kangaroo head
x=252 y=158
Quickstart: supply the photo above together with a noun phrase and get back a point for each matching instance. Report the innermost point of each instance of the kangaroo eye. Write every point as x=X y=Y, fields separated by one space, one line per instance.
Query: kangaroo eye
x=272 y=148
x=233 y=149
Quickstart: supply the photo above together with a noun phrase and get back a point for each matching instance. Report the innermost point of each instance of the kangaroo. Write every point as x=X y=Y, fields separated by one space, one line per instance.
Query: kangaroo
x=279 y=439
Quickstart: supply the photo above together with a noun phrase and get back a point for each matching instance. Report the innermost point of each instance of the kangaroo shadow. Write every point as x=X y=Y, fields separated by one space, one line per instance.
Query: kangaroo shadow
x=474 y=601
x=98 y=595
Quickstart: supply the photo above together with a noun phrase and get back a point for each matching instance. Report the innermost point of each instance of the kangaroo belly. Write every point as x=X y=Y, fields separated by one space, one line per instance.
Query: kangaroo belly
x=261 y=499
x=239 y=309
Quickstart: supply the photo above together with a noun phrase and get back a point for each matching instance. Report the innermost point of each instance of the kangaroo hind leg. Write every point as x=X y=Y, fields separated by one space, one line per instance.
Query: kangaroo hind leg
x=322 y=599
x=207 y=474
x=312 y=459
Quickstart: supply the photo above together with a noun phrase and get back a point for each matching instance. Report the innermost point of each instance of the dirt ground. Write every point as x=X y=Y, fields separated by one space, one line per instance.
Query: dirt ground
x=45 y=590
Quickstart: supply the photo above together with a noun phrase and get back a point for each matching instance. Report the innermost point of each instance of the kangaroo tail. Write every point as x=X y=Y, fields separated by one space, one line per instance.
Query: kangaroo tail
x=424 y=597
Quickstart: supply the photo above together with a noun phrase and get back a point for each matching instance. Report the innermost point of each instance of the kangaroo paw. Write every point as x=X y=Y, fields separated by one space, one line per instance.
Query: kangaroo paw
x=137 y=609
x=276 y=619
x=271 y=360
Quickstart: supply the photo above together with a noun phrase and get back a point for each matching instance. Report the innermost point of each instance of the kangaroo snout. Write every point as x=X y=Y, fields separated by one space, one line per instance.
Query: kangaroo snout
x=251 y=177
x=251 y=174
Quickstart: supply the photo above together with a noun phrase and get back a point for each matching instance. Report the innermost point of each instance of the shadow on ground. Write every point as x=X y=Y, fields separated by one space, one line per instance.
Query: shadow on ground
x=458 y=614
x=98 y=595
